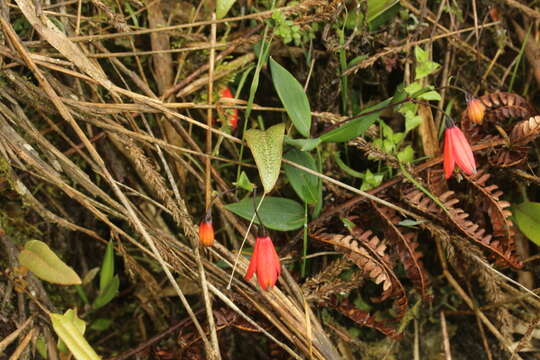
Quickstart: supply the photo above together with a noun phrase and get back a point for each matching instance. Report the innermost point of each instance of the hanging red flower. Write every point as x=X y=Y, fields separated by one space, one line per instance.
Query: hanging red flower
x=265 y=263
x=457 y=151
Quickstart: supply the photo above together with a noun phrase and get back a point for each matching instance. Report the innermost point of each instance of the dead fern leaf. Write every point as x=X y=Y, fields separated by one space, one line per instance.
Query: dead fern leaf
x=498 y=213
x=525 y=131
x=458 y=217
x=407 y=249
x=361 y=317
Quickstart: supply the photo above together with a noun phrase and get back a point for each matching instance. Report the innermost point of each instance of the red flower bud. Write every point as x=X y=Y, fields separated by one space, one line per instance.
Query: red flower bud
x=265 y=263
x=475 y=111
x=231 y=114
x=457 y=151
x=206 y=233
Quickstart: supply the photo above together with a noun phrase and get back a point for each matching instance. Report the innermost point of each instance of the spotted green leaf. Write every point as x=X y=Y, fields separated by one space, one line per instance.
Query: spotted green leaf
x=267 y=149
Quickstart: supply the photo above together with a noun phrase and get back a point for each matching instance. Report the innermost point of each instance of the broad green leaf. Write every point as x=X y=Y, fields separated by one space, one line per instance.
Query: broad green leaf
x=223 y=7
x=107 y=267
x=43 y=262
x=276 y=213
x=108 y=293
x=303 y=144
x=527 y=218
x=293 y=97
x=356 y=127
x=306 y=186
x=68 y=328
x=267 y=149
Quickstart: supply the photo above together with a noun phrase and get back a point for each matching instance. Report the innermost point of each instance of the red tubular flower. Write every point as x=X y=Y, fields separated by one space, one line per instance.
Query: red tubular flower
x=475 y=110
x=265 y=263
x=232 y=114
x=206 y=233
x=457 y=151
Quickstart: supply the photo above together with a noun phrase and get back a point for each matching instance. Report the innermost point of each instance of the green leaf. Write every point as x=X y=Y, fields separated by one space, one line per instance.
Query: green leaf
x=356 y=127
x=244 y=183
x=346 y=168
x=267 y=149
x=107 y=267
x=71 y=330
x=303 y=144
x=277 y=213
x=424 y=66
x=527 y=218
x=307 y=186
x=411 y=223
x=41 y=347
x=43 y=262
x=71 y=315
x=412 y=121
x=108 y=293
x=406 y=155
x=223 y=7
x=293 y=97
x=371 y=180
x=430 y=96
x=101 y=324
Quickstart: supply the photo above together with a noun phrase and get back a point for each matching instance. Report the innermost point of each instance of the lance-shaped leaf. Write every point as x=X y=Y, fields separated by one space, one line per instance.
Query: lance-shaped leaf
x=71 y=330
x=267 y=149
x=307 y=186
x=293 y=97
x=44 y=263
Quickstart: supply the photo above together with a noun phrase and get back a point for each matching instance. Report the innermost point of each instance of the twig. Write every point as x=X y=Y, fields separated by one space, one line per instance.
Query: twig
x=208 y=199
x=446 y=340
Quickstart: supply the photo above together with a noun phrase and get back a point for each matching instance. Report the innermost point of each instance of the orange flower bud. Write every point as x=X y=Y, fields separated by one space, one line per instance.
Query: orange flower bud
x=475 y=111
x=265 y=263
x=206 y=233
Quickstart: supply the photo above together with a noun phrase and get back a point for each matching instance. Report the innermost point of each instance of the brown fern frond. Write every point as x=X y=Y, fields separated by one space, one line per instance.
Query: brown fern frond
x=508 y=112
x=327 y=282
x=498 y=99
x=361 y=317
x=407 y=249
x=498 y=213
x=368 y=252
x=458 y=218
x=525 y=131
x=436 y=182
x=355 y=250
x=508 y=157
